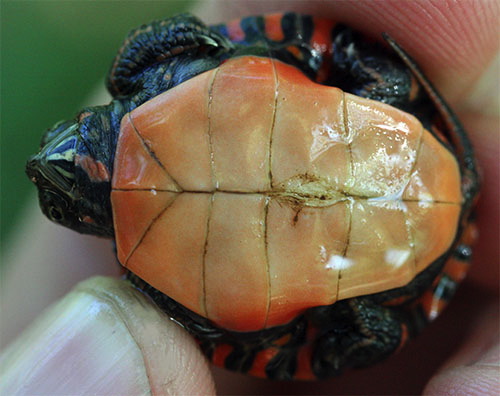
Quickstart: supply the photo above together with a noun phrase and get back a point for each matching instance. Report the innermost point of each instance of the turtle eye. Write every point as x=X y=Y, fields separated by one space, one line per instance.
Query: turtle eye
x=55 y=207
x=55 y=213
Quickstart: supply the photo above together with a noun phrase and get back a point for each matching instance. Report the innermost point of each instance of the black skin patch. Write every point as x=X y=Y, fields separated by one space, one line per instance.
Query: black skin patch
x=156 y=57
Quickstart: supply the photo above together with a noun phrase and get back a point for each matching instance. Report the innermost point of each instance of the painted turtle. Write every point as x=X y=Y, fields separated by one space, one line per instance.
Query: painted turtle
x=294 y=194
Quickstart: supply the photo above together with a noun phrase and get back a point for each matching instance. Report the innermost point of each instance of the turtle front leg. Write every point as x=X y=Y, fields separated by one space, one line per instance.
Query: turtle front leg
x=158 y=43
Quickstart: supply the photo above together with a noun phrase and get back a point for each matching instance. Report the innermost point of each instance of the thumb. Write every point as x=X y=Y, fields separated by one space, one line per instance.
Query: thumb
x=104 y=337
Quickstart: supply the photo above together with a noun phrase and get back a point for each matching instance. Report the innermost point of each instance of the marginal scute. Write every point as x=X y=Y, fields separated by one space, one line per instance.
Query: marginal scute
x=282 y=194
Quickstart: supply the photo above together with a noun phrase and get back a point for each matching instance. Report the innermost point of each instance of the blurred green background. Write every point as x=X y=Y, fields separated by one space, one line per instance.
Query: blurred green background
x=53 y=55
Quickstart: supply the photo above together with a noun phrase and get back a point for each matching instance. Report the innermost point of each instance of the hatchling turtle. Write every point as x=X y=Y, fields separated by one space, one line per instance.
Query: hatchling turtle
x=296 y=195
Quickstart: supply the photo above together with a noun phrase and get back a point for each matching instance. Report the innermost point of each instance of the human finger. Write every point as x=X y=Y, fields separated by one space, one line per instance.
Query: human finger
x=104 y=337
x=475 y=367
x=485 y=270
x=455 y=41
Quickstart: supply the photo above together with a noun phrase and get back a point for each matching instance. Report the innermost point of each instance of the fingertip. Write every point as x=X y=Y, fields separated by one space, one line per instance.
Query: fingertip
x=473 y=380
x=173 y=361
x=104 y=337
x=453 y=41
x=474 y=369
x=484 y=133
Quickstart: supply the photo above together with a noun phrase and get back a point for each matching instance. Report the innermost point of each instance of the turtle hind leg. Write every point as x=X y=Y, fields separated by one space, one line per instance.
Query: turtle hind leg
x=159 y=42
x=365 y=68
x=355 y=333
x=361 y=331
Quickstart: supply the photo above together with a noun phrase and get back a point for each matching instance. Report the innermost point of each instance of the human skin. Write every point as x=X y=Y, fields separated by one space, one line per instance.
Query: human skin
x=455 y=43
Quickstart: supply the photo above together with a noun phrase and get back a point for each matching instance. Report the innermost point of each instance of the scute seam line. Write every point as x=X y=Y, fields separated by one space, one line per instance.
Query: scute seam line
x=351 y=176
x=346 y=248
x=268 y=269
x=411 y=236
x=273 y=122
x=346 y=130
x=150 y=226
x=275 y=194
x=205 y=250
x=209 y=129
x=152 y=153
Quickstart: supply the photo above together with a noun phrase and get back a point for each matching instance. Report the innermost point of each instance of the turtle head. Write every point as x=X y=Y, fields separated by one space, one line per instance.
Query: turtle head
x=74 y=185
x=53 y=171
